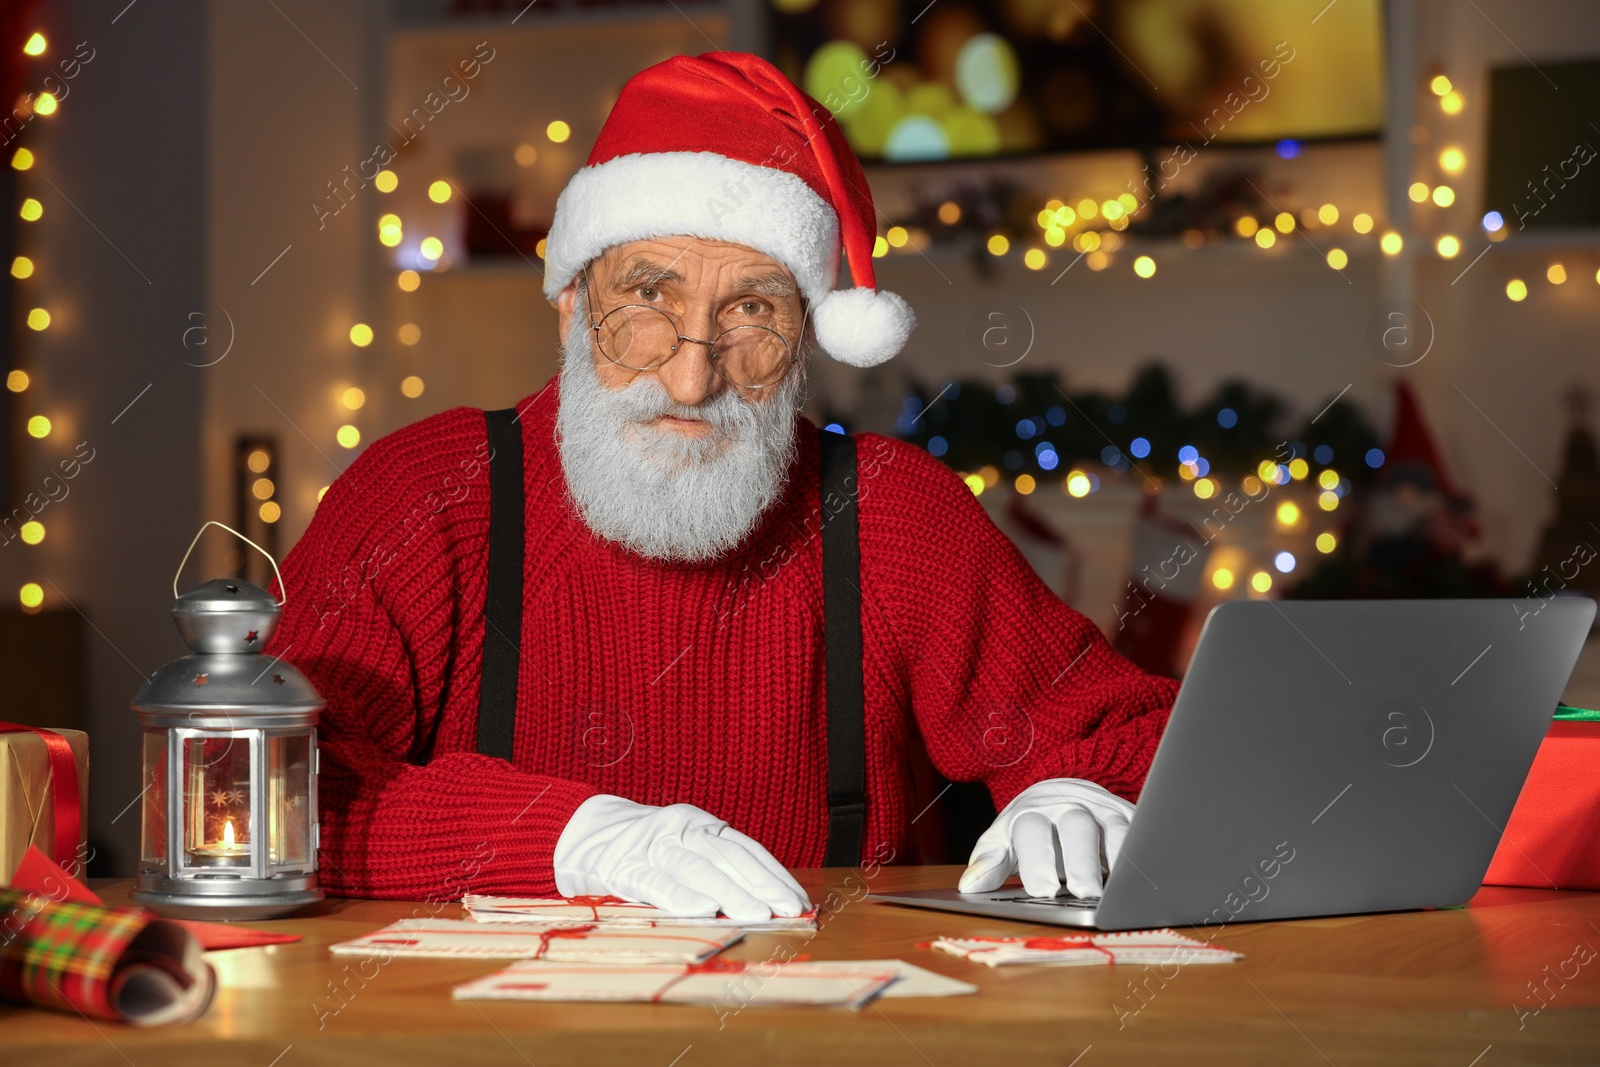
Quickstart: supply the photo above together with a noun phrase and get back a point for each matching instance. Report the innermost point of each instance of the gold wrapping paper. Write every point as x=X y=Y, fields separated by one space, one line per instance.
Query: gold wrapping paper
x=27 y=798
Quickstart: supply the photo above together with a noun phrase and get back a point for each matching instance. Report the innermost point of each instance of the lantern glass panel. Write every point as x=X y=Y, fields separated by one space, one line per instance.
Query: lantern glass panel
x=289 y=800
x=153 y=851
x=217 y=800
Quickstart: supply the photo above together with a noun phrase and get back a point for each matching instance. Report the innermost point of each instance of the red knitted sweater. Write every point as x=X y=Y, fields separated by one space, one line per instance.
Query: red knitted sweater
x=665 y=683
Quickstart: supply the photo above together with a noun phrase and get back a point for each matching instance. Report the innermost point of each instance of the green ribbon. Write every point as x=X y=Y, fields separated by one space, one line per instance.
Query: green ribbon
x=1567 y=713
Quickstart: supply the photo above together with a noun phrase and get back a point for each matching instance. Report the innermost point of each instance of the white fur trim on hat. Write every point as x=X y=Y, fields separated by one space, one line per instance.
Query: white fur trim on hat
x=863 y=327
x=697 y=194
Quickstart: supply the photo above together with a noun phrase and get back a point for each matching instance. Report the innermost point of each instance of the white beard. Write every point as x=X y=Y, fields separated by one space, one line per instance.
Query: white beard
x=660 y=493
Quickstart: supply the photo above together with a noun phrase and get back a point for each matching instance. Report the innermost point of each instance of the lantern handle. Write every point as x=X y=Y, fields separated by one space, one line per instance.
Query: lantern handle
x=240 y=536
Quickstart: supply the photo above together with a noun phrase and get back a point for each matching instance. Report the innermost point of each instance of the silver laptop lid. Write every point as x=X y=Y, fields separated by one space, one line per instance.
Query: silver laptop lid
x=1333 y=757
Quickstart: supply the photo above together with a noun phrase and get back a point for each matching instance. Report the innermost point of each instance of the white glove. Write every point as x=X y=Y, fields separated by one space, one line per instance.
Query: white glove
x=678 y=858
x=1053 y=831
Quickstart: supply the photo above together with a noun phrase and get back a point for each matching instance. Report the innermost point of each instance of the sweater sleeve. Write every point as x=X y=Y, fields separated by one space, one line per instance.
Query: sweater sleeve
x=376 y=602
x=1009 y=684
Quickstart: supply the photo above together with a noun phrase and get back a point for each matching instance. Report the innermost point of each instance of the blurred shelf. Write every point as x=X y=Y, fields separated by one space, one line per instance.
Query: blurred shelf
x=423 y=24
x=1582 y=237
x=496 y=266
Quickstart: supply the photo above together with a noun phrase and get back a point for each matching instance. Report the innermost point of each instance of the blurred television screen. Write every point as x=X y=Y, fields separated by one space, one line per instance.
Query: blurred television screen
x=913 y=80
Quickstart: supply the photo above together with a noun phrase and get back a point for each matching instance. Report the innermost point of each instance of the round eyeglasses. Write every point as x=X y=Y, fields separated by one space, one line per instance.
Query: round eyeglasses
x=640 y=337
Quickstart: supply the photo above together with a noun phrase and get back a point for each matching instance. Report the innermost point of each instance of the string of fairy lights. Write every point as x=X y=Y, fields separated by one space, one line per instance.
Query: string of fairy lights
x=23 y=269
x=1095 y=229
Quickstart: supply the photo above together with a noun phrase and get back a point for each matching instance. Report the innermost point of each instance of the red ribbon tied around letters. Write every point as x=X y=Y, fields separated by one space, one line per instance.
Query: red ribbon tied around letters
x=64 y=782
x=1050 y=944
x=577 y=933
x=594 y=903
x=715 y=965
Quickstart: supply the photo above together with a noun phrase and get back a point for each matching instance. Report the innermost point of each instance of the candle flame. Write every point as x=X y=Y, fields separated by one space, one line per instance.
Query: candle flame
x=227 y=833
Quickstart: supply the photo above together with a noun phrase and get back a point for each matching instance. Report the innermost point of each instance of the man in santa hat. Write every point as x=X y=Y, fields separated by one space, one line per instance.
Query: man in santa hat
x=650 y=632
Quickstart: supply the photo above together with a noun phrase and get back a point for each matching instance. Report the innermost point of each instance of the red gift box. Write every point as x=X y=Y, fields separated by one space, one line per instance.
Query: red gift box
x=1552 y=839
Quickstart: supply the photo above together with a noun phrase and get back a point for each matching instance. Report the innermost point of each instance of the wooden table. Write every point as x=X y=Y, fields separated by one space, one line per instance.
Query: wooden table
x=1441 y=987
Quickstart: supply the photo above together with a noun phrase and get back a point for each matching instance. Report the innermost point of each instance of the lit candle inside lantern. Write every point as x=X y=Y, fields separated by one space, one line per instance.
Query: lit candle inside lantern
x=225 y=853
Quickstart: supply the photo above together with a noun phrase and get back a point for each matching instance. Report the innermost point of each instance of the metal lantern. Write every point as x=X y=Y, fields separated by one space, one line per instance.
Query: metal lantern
x=230 y=763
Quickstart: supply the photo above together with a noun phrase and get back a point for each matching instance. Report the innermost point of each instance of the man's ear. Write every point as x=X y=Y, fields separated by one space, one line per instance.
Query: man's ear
x=564 y=302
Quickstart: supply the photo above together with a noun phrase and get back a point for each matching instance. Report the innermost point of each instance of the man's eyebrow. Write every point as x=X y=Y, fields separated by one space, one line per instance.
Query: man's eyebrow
x=644 y=272
x=771 y=283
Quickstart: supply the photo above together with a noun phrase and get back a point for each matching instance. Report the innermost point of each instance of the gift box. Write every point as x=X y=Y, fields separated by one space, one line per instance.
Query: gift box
x=44 y=793
x=1552 y=839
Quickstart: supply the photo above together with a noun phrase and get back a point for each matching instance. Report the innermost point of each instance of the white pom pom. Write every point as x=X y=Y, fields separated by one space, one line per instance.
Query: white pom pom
x=863 y=327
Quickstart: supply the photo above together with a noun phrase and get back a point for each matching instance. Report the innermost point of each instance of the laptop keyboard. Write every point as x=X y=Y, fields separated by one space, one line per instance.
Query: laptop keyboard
x=1054 y=902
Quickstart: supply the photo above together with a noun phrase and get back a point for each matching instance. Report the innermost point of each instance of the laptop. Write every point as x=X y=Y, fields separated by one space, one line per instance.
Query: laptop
x=1328 y=758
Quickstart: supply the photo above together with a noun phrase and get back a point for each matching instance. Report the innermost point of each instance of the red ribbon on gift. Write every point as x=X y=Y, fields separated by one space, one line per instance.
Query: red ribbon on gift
x=64 y=783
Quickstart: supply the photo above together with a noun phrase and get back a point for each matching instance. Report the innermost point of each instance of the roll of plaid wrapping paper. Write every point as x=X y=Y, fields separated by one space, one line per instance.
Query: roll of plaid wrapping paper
x=124 y=964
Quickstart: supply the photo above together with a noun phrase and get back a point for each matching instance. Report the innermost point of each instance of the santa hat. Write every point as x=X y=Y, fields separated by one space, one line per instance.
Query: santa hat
x=723 y=146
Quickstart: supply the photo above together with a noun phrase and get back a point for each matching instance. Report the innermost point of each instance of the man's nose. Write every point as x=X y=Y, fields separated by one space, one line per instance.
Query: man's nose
x=689 y=376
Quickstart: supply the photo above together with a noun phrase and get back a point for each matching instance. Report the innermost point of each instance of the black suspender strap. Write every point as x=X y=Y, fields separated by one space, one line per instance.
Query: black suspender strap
x=502 y=613
x=841 y=611
x=841 y=620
